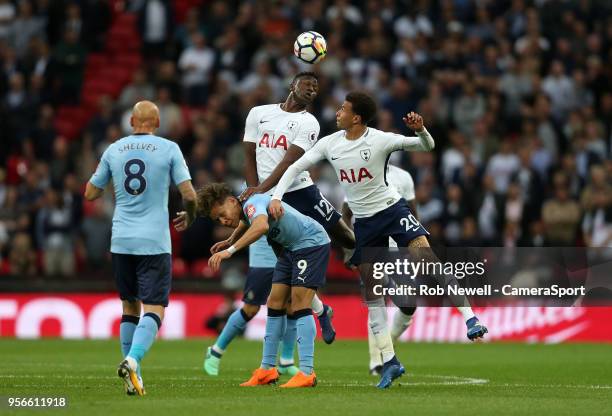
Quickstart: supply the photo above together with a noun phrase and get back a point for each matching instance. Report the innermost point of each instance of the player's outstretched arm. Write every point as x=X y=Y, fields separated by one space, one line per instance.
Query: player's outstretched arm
x=423 y=141
x=222 y=245
x=293 y=154
x=92 y=192
x=307 y=160
x=259 y=226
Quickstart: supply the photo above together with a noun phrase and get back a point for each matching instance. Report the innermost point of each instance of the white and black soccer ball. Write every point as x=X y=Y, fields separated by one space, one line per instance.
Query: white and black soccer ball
x=310 y=47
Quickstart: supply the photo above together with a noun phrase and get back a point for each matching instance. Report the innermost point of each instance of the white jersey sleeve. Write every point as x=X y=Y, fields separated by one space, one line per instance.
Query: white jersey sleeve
x=308 y=134
x=251 y=127
x=402 y=181
x=312 y=156
x=423 y=142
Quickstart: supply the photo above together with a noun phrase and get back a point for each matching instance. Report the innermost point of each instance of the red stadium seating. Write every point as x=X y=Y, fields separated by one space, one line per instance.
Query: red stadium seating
x=106 y=73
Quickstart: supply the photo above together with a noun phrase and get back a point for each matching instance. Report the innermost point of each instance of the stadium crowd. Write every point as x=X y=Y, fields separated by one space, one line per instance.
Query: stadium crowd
x=516 y=93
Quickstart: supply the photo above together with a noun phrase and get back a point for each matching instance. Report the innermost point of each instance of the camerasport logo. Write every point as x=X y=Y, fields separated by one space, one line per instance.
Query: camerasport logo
x=250 y=211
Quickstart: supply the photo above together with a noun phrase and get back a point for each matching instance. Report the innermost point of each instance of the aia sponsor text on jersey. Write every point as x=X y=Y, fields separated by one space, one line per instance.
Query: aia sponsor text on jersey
x=271 y=142
x=353 y=175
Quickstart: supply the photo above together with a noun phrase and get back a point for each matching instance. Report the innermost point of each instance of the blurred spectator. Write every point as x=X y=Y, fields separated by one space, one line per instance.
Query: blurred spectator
x=96 y=235
x=196 y=63
x=514 y=209
x=170 y=115
x=503 y=165
x=455 y=212
x=54 y=227
x=430 y=208
x=43 y=134
x=69 y=58
x=529 y=185
x=263 y=76
x=73 y=20
x=516 y=84
x=155 y=23
x=412 y=24
x=61 y=164
x=596 y=201
x=469 y=108
x=7 y=15
x=190 y=26
x=104 y=118
x=9 y=212
x=19 y=106
x=22 y=257
x=560 y=89
x=490 y=212
x=26 y=27
x=140 y=89
x=560 y=214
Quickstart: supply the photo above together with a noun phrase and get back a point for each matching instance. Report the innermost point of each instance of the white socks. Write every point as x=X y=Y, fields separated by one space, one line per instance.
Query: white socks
x=375 y=355
x=317 y=305
x=400 y=323
x=377 y=321
x=467 y=312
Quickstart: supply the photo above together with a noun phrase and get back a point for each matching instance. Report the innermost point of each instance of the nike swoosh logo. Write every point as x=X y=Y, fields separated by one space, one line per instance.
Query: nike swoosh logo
x=335 y=158
x=263 y=121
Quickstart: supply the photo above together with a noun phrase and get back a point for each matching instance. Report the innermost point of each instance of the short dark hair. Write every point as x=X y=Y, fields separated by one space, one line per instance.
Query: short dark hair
x=363 y=105
x=304 y=74
x=211 y=194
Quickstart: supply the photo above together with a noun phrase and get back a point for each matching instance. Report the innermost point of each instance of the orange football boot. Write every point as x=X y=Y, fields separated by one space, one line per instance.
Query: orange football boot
x=301 y=380
x=261 y=377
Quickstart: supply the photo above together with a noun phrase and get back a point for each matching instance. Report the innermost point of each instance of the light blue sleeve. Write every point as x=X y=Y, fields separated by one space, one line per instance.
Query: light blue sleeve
x=178 y=170
x=255 y=206
x=102 y=174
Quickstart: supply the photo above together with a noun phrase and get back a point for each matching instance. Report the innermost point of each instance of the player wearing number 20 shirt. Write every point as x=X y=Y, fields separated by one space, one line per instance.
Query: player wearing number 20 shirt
x=361 y=166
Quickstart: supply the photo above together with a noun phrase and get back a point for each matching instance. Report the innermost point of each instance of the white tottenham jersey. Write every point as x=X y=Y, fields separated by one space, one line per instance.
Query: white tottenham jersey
x=273 y=130
x=360 y=165
x=402 y=181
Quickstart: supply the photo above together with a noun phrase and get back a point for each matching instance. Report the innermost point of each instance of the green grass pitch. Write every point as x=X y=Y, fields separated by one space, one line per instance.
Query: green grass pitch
x=441 y=379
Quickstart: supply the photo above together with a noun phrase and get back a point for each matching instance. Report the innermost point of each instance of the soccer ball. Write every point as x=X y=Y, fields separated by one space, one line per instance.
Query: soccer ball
x=310 y=47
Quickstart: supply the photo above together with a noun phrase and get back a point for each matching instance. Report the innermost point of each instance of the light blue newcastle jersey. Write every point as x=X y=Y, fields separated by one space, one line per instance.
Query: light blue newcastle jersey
x=293 y=231
x=141 y=167
x=261 y=254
